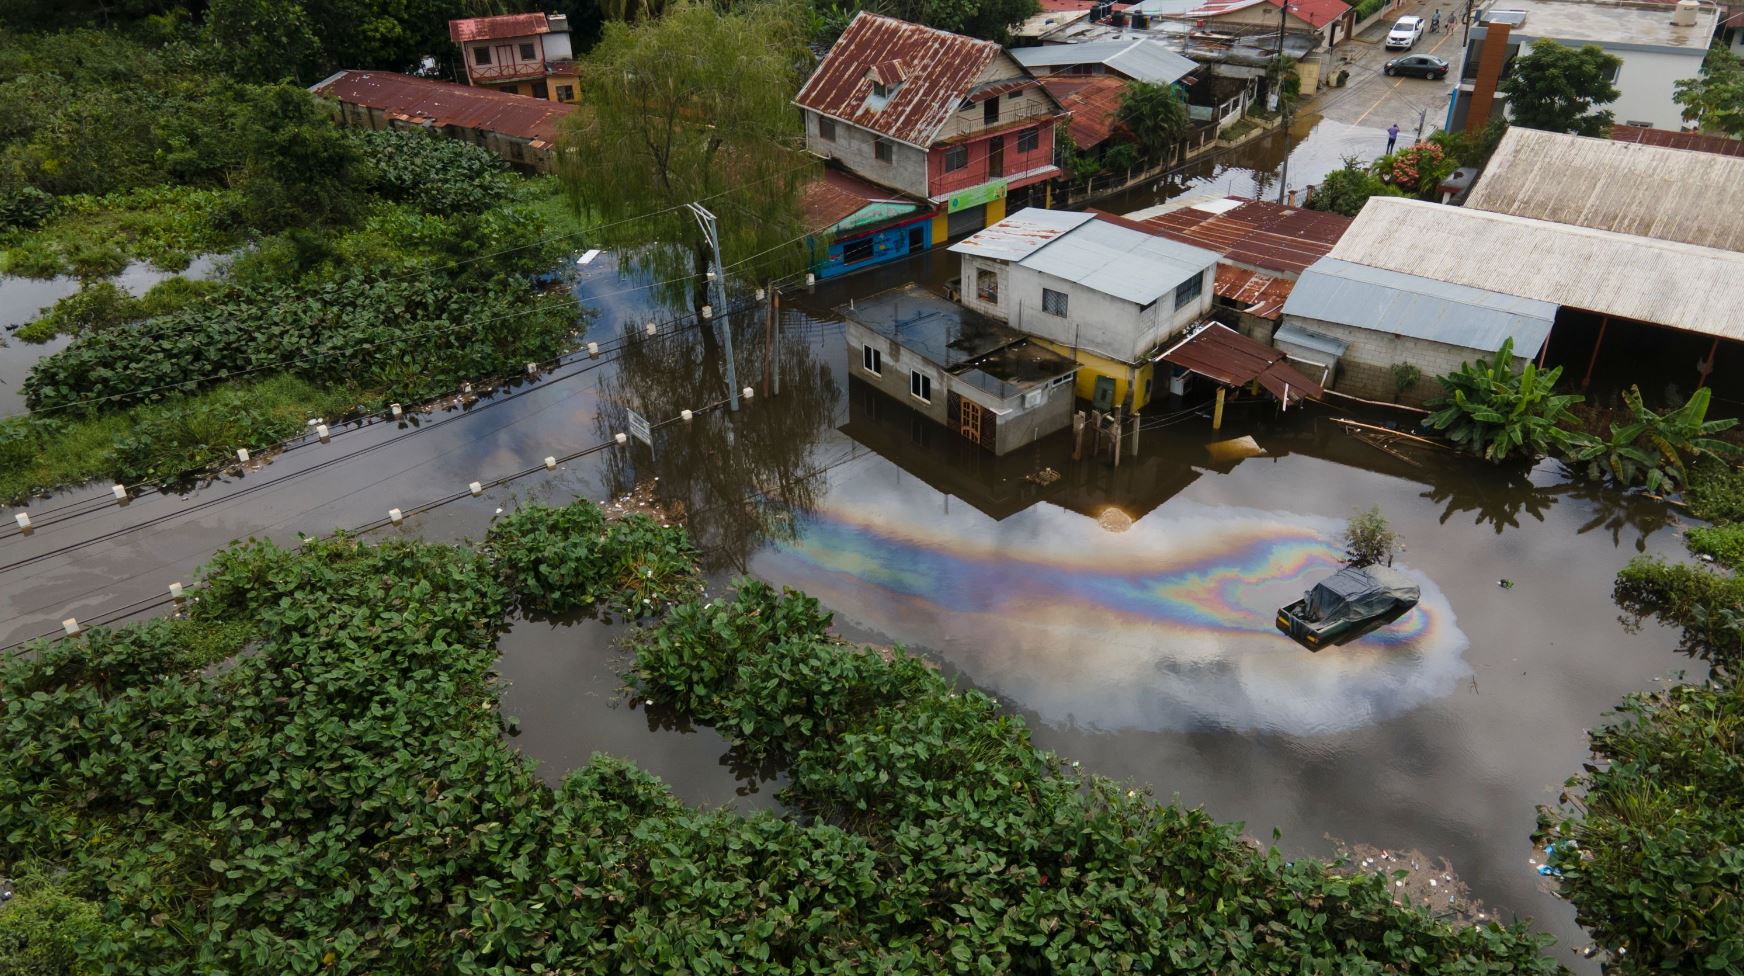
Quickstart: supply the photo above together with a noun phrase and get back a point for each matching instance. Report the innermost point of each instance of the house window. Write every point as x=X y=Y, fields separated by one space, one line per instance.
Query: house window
x=1033 y=399
x=956 y=158
x=990 y=111
x=827 y=129
x=987 y=286
x=854 y=252
x=481 y=55
x=920 y=386
x=882 y=91
x=1188 y=291
x=566 y=93
x=883 y=149
x=1014 y=96
x=871 y=360
x=526 y=52
x=1028 y=140
x=1054 y=302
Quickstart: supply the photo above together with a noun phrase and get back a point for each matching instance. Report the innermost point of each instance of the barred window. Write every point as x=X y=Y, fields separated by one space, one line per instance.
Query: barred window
x=1053 y=302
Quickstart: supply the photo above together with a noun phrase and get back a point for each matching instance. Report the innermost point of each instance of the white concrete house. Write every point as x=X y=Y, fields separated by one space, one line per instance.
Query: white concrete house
x=1103 y=290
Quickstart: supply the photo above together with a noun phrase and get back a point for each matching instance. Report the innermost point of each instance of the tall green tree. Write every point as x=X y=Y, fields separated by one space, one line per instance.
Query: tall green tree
x=1346 y=189
x=1154 y=115
x=1559 y=88
x=1716 y=98
x=692 y=107
x=990 y=20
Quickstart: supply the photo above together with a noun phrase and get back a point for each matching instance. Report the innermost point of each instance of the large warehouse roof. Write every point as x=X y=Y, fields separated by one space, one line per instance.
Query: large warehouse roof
x=1652 y=191
x=1422 y=308
x=1683 y=286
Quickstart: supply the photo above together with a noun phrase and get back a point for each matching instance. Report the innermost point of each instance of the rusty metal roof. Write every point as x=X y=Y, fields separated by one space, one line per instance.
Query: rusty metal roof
x=1232 y=359
x=834 y=196
x=1093 y=100
x=1694 y=141
x=1317 y=13
x=1254 y=292
x=939 y=70
x=491 y=28
x=1265 y=235
x=441 y=103
x=1021 y=234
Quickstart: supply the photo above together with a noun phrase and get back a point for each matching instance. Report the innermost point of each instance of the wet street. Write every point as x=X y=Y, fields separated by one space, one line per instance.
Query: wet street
x=1125 y=612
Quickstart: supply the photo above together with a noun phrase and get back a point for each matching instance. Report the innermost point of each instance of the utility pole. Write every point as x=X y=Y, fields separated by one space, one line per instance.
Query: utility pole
x=706 y=221
x=1283 y=106
x=1464 y=34
x=1422 y=116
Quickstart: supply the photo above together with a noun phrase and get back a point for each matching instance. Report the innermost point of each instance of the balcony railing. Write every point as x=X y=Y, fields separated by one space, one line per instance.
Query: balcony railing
x=507 y=72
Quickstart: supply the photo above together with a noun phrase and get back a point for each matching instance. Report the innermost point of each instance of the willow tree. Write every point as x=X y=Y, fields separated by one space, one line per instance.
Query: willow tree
x=694 y=106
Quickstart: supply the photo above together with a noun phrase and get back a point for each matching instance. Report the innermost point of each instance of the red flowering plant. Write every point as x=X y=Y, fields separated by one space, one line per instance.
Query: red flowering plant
x=1417 y=169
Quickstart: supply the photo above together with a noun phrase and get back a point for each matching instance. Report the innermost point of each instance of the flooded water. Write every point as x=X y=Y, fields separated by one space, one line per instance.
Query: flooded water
x=22 y=300
x=1125 y=612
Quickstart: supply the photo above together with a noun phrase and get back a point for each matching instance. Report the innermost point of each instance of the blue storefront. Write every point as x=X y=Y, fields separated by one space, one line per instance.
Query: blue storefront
x=865 y=249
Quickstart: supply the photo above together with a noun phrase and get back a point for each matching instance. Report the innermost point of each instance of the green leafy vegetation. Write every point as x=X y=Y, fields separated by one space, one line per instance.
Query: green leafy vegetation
x=1715 y=99
x=1493 y=411
x=309 y=774
x=157 y=443
x=1557 y=88
x=101 y=305
x=46 y=932
x=1416 y=170
x=1154 y=116
x=1368 y=539
x=1346 y=189
x=1655 y=867
x=1651 y=449
x=561 y=560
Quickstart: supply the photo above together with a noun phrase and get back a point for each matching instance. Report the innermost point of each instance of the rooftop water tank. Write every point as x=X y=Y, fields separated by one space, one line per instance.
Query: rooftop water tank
x=1684 y=15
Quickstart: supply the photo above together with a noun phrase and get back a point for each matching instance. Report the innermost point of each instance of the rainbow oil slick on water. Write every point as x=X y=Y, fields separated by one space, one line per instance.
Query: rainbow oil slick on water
x=1168 y=625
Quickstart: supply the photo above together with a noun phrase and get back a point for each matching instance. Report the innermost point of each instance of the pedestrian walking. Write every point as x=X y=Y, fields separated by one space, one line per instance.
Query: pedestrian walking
x=1392 y=136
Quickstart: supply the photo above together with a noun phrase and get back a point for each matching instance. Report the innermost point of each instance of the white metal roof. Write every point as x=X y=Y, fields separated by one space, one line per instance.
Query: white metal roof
x=1143 y=59
x=1119 y=261
x=1021 y=234
x=1422 y=308
x=1652 y=191
x=1669 y=283
x=1624 y=26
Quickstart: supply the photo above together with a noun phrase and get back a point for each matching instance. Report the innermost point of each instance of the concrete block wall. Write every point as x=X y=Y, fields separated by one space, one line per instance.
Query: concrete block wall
x=853 y=148
x=1019 y=427
x=1366 y=369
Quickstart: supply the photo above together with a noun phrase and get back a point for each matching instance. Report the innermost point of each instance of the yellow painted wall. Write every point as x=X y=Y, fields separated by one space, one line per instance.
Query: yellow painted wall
x=995 y=212
x=1094 y=366
x=941 y=228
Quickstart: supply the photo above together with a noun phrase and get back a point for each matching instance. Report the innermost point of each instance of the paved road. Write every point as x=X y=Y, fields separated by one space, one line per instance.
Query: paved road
x=1374 y=100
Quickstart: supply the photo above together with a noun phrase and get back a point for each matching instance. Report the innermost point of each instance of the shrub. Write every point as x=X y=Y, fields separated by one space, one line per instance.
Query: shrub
x=1492 y=411
x=1347 y=188
x=1651 y=449
x=1368 y=539
x=567 y=559
x=1405 y=376
x=44 y=931
x=24 y=206
x=1654 y=867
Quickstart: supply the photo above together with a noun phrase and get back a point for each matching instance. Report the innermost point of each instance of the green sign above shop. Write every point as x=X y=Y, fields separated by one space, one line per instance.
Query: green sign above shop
x=975 y=196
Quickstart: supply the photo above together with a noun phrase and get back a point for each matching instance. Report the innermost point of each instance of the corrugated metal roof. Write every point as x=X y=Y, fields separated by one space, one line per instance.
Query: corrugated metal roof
x=1254 y=232
x=1668 y=283
x=1093 y=100
x=1232 y=359
x=1253 y=292
x=1403 y=304
x=491 y=28
x=1694 y=141
x=1119 y=261
x=939 y=69
x=443 y=103
x=1021 y=234
x=1320 y=342
x=1317 y=13
x=1630 y=188
x=833 y=196
x=1142 y=59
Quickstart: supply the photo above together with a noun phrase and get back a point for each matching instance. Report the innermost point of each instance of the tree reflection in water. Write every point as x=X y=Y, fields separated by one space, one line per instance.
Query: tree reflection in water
x=740 y=479
x=1616 y=510
x=1496 y=494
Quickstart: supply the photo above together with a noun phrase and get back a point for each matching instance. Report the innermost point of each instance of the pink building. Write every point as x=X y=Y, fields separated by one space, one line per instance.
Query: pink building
x=522 y=54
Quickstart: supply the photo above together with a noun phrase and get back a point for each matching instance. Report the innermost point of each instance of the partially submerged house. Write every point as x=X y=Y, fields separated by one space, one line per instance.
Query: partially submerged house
x=990 y=384
x=1098 y=288
x=941 y=118
x=859 y=224
x=520 y=130
x=521 y=54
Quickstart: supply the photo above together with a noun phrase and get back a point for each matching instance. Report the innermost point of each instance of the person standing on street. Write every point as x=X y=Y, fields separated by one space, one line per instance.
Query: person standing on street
x=1435 y=22
x=1392 y=136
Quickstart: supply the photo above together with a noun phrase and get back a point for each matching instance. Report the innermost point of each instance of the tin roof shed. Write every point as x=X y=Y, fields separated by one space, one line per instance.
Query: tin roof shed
x=491 y=28
x=441 y=103
x=1119 y=261
x=1141 y=59
x=1021 y=234
x=1389 y=301
x=1630 y=188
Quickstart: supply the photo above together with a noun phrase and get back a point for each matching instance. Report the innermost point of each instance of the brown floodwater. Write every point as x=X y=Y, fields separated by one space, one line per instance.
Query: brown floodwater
x=1145 y=653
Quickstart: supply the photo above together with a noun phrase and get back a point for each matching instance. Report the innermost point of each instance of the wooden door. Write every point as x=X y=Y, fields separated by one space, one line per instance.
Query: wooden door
x=969 y=420
x=996 y=157
x=504 y=55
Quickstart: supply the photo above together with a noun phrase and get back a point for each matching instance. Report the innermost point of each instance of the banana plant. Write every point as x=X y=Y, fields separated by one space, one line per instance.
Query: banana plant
x=1495 y=412
x=1653 y=449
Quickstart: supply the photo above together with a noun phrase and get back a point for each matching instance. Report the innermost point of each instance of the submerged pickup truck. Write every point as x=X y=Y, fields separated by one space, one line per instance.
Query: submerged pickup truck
x=1350 y=603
